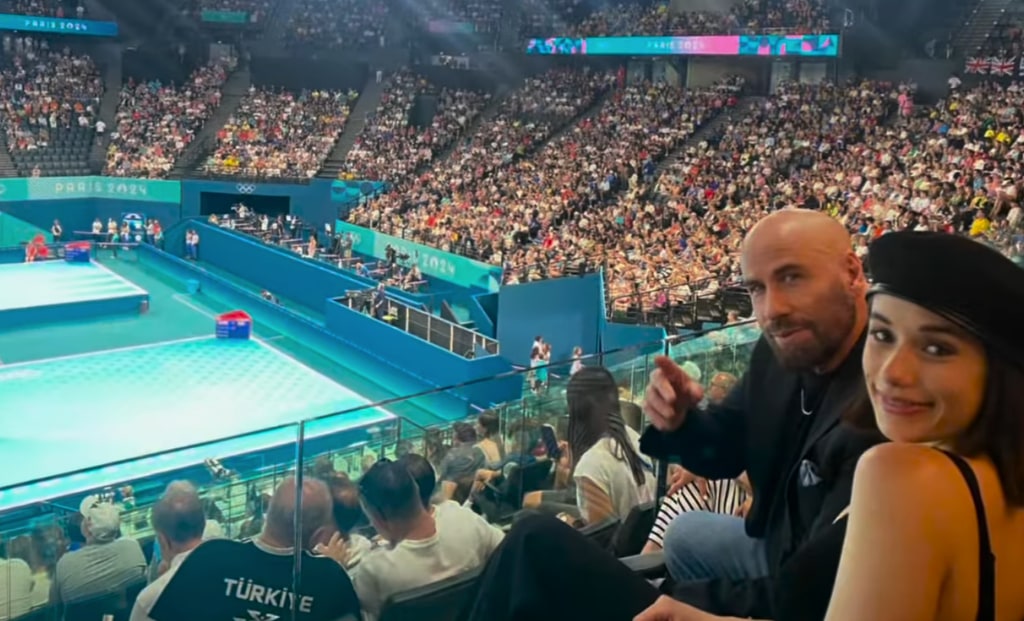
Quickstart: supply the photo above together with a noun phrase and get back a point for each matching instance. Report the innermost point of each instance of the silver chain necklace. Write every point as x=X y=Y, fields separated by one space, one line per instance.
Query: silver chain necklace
x=803 y=405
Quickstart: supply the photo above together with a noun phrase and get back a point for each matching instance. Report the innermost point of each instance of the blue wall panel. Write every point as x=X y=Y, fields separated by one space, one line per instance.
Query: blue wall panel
x=75 y=215
x=637 y=341
x=567 y=312
x=277 y=270
x=433 y=366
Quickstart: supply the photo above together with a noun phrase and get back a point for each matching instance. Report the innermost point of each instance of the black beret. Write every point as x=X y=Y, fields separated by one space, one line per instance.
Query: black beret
x=963 y=280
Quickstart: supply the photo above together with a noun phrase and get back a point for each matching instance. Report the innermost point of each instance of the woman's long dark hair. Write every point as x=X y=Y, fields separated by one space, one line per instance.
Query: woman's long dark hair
x=593 y=403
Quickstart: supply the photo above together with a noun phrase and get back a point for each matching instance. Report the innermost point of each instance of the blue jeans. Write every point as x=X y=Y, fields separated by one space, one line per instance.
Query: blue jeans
x=700 y=545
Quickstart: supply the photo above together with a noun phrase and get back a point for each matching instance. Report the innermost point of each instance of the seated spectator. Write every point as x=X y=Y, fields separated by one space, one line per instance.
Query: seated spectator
x=155 y=122
x=424 y=547
x=179 y=522
x=610 y=474
x=224 y=579
x=279 y=134
x=460 y=464
x=106 y=563
x=489 y=434
x=15 y=586
x=423 y=473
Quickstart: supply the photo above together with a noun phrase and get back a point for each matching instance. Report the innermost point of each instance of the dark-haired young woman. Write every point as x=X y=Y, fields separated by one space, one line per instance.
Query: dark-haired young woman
x=610 y=474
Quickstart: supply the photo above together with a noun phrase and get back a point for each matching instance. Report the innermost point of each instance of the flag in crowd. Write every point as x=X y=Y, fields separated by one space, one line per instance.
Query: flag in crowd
x=995 y=66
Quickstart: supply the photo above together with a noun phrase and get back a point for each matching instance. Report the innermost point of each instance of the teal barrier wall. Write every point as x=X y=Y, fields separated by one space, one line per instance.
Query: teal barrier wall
x=637 y=340
x=433 y=366
x=73 y=188
x=77 y=200
x=14 y=232
x=567 y=312
x=445 y=266
x=277 y=270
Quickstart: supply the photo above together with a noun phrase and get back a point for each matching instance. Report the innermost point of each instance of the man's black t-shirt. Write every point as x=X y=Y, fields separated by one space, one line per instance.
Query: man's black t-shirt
x=224 y=580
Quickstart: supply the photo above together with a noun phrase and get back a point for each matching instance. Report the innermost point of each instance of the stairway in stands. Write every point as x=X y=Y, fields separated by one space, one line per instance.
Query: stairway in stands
x=979 y=25
x=742 y=107
x=109 y=56
x=366 y=105
x=235 y=89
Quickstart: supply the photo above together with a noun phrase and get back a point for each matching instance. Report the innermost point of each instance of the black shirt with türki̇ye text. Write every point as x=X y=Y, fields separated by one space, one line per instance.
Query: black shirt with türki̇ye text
x=224 y=580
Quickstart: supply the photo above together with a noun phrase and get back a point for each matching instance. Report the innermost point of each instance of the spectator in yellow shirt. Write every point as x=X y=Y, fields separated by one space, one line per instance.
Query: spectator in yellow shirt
x=980 y=225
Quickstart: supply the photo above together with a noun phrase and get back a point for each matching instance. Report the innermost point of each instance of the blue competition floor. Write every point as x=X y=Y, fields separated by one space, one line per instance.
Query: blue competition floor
x=79 y=412
x=45 y=283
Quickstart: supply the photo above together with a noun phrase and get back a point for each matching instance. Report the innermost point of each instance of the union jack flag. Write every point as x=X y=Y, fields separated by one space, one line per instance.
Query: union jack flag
x=1001 y=66
x=977 y=65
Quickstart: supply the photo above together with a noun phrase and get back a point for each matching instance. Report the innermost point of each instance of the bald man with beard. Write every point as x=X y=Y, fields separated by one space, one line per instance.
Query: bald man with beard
x=780 y=424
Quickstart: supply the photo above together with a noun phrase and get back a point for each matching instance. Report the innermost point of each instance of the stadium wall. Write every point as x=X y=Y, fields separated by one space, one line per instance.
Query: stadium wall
x=431 y=365
x=567 y=312
x=278 y=270
x=627 y=342
x=76 y=201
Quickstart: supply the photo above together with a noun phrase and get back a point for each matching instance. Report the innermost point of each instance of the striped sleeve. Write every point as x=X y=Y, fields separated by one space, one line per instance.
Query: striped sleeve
x=686 y=499
x=725 y=496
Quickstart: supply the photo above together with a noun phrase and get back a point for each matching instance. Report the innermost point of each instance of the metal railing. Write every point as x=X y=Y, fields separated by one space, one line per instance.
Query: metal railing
x=682 y=306
x=435 y=330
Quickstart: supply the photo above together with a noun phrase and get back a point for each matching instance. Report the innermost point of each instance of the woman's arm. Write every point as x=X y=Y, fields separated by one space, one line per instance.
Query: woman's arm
x=896 y=554
x=595 y=504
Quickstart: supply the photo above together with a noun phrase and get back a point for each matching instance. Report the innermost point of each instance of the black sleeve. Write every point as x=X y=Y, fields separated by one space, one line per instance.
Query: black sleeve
x=854 y=443
x=712 y=442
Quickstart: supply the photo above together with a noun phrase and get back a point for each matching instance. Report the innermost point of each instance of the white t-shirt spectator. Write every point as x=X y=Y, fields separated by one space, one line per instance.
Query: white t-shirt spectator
x=613 y=476
x=15 y=588
x=463 y=541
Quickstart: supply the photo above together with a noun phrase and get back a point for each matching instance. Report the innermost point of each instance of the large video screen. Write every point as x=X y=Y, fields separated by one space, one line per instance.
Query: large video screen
x=723 y=45
x=58 y=25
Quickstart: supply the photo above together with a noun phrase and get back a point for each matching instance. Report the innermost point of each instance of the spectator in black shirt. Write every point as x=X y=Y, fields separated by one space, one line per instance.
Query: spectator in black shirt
x=223 y=579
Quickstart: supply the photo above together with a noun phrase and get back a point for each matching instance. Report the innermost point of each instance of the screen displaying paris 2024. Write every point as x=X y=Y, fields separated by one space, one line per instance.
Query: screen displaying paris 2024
x=725 y=45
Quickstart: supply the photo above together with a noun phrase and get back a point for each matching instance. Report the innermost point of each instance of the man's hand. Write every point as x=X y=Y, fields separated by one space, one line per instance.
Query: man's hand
x=670 y=394
x=668 y=609
x=679 y=477
x=744 y=509
x=335 y=549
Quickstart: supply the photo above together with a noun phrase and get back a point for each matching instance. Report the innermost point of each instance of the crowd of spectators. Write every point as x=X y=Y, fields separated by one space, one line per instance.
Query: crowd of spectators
x=155 y=122
x=525 y=119
x=276 y=133
x=45 y=8
x=553 y=196
x=772 y=157
x=329 y=25
x=390 y=132
x=45 y=91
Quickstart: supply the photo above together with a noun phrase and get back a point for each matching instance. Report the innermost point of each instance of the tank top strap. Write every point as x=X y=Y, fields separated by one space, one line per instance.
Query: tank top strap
x=986 y=559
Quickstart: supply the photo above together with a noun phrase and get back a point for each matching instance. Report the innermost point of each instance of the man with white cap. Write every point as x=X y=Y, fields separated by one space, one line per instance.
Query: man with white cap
x=105 y=564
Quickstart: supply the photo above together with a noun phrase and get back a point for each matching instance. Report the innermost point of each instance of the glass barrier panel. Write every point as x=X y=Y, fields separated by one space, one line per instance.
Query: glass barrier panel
x=45 y=523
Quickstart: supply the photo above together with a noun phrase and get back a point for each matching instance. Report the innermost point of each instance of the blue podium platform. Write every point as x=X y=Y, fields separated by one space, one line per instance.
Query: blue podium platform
x=56 y=291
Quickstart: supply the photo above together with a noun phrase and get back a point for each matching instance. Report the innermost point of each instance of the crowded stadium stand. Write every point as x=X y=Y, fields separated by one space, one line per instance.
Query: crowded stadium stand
x=51 y=99
x=313 y=321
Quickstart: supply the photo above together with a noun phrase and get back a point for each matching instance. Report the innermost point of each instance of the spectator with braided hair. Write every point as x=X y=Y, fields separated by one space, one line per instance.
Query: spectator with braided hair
x=611 y=475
